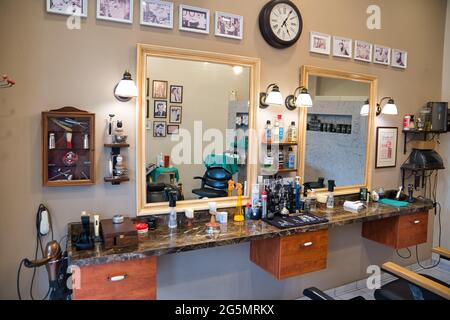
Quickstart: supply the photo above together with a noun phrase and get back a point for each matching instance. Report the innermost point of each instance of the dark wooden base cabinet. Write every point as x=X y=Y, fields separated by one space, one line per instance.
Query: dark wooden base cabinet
x=131 y=280
x=286 y=257
x=398 y=232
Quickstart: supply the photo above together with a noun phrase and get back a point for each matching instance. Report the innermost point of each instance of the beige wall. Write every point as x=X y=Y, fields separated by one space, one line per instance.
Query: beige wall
x=444 y=147
x=56 y=67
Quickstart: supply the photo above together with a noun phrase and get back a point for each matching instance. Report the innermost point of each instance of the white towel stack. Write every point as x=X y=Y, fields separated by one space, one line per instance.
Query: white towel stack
x=353 y=205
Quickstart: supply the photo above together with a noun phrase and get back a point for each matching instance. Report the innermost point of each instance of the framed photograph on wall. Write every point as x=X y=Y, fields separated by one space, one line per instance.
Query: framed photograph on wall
x=173 y=129
x=363 y=51
x=386 y=147
x=229 y=25
x=78 y=8
x=194 y=19
x=115 y=10
x=159 y=129
x=399 y=58
x=156 y=13
x=159 y=89
x=176 y=94
x=342 y=47
x=382 y=55
x=320 y=43
x=175 y=114
x=160 y=109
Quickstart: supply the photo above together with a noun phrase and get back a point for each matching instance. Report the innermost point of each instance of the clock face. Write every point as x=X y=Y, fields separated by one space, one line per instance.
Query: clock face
x=284 y=22
x=280 y=23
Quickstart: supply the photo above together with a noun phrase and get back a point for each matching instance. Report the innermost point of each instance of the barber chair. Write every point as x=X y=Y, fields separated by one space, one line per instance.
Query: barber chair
x=408 y=286
x=214 y=183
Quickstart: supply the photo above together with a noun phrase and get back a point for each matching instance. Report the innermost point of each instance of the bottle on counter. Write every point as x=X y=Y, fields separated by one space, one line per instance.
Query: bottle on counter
x=268 y=137
x=280 y=128
x=276 y=131
x=330 y=196
x=264 y=204
x=292 y=133
x=248 y=211
x=291 y=159
x=173 y=211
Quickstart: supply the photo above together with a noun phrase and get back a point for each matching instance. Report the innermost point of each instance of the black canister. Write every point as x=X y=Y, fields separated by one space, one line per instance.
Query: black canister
x=151 y=221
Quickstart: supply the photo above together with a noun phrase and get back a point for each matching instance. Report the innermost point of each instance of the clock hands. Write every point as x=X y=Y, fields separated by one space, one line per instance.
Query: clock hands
x=285 y=20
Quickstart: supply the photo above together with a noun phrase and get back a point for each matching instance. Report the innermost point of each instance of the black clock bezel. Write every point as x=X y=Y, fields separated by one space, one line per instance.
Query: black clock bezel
x=266 y=30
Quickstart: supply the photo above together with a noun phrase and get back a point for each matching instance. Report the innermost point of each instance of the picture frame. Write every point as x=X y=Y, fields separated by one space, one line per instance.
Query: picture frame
x=159 y=89
x=68 y=9
x=156 y=13
x=319 y=43
x=159 y=129
x=175 y=114
x=173 y=129
x=399 y=59
x=228 y=25
x=342 y=47
x=386 y=147
x=194 y=19
x=363 y=51
x=111 y=10
x=160 y=109
x=382 y=55
x=176 y=94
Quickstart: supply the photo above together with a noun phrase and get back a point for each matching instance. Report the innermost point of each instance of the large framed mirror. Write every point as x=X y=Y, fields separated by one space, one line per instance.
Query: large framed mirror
x=336 y=138
x=195 y=120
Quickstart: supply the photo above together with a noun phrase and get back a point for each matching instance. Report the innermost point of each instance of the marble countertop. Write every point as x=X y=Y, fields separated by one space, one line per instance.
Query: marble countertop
x=162 y=241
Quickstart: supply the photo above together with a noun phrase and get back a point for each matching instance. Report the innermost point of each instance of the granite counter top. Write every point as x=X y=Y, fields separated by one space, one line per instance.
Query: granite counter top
x=163 y=241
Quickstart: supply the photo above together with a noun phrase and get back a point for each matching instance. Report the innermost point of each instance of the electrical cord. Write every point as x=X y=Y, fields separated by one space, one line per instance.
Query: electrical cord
x=403 y=257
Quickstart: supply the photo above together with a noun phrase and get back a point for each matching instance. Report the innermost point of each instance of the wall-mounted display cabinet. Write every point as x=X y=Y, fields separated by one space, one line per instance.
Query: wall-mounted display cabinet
x=68 y=147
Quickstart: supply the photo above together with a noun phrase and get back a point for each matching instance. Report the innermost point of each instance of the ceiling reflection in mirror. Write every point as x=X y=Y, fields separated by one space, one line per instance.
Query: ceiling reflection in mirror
x=196 y=128
x=336 y=136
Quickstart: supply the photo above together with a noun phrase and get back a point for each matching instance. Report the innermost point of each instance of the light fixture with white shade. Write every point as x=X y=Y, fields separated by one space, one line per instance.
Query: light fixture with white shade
x=365 y=109
x=389 y=109
x=272 y=96
x=300 y=99
x=126 y=89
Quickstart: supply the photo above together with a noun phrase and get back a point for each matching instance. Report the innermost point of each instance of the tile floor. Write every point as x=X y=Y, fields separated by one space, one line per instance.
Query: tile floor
x=359 y=288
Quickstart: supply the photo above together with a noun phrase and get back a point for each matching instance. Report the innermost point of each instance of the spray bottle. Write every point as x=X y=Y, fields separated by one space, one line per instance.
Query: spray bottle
x=173 y=211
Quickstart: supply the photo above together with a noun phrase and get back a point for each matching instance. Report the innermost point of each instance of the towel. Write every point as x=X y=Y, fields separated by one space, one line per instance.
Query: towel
x=354 y=206
x=394 y=203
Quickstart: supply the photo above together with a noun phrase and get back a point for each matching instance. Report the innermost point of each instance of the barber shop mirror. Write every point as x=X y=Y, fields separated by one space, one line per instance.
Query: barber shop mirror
x=337 y=138
x=196 y=112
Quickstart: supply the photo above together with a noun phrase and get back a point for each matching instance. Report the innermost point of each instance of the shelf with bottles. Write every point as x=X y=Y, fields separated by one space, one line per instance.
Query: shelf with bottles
x=329 y=123
x=116 y=168
x=68 y=151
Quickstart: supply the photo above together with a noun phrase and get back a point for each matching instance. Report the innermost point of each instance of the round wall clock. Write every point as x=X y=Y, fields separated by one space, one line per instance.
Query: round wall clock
x=280 y=23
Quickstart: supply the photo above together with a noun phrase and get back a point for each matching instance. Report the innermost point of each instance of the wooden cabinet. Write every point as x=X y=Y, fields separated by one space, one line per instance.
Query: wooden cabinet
x=131 y=280
x=398 y=232
x=68 y=147
x=286 y=257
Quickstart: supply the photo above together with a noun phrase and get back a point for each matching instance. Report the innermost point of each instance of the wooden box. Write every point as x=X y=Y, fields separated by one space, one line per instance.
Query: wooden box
x=68 y=147
x=118 y=235
x=291 y=256
x=398 y=232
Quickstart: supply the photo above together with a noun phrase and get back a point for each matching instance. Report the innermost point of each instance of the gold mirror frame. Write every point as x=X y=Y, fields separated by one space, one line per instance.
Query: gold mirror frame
x=144 y=51
x=307 y=71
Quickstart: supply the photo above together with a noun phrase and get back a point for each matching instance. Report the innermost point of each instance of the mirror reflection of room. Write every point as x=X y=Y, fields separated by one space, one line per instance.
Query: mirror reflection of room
x=197 y=128
x=336 y=137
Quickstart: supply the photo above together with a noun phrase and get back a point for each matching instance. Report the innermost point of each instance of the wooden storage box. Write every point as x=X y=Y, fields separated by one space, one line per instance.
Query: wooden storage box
x=118 y=235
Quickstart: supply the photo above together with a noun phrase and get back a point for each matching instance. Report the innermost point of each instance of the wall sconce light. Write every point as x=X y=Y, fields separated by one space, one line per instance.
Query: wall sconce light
x=271 y=96
x=302 y=100
x=126 y=89
x=390 y=108
x=365 y=109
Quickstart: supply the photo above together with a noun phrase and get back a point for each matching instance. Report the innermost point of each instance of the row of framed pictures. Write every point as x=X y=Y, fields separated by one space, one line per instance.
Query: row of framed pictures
x=160 y=88
x=155 y=13
x=161 y=129
x=160 y=111
x=361 y=51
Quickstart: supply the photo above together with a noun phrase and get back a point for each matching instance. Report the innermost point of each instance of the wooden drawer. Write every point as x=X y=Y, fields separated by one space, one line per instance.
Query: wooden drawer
x=398 y=232
x=131 y=280
x=286 y=257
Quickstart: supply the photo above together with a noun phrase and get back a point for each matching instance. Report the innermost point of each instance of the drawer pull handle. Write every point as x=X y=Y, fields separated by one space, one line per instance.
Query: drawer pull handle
x=308 y=244
x=416 y=221
x=117 y=278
